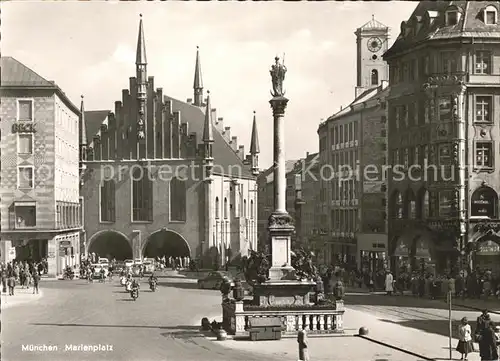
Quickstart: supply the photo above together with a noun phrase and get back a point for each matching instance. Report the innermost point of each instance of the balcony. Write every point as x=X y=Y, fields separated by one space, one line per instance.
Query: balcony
x=443 y=79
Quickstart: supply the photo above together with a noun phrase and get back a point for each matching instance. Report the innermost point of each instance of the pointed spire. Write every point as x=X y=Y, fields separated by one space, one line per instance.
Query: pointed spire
x=141 y=46
x=208 y=135
x=254 y=142
x=198 y=81
x=83 y=125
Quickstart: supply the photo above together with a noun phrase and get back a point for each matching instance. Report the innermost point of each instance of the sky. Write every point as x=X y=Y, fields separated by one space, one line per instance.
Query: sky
x=89 y=48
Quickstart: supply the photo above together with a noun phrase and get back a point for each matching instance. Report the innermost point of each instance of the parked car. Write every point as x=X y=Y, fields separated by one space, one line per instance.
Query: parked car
x=119 y=266
x=136 y=269
x=103 y=260
x=129 y=263
x=213 y=280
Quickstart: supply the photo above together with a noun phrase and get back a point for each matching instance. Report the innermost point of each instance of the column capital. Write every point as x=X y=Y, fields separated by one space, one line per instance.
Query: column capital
x=278 y=104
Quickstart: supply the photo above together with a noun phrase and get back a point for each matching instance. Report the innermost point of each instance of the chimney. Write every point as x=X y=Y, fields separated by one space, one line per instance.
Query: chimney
x=220 y=123
x=227 y=134
x=189 y=101
x=234 y=143
x=384 y=84
x=307 y=154
x=341 y=107
x=241 y=152
x=214 y=113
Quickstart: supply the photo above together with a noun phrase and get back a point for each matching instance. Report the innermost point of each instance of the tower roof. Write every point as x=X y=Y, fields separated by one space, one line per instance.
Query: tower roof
x=428 y=23
x=208 y=135
x=198 y=81
x=82 y=125
x=373 y=25
x=254 y=140
x=141 y=45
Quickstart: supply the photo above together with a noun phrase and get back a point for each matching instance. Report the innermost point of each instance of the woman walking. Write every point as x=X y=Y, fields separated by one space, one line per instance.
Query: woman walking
x=464 y=339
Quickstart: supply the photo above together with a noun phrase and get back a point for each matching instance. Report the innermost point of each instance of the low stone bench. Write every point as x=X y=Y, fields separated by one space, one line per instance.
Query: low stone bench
x=265 y=328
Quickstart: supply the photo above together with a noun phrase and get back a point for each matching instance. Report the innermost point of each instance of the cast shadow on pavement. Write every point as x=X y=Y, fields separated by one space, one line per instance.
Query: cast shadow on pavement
x=183 y=328
x=397 y=301
x=183 y=285
x=440 y=327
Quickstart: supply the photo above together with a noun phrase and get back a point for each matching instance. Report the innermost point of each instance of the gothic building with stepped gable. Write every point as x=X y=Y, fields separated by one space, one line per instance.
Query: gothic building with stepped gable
x=160 y=176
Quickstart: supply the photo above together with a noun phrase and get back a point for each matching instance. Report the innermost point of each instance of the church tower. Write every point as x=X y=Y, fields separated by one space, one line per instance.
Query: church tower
x=142 y=83
x=372 y=42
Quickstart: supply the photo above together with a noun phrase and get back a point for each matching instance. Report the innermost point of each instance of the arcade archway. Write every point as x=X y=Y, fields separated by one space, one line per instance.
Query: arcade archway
x=166 y=243
x=110 y=244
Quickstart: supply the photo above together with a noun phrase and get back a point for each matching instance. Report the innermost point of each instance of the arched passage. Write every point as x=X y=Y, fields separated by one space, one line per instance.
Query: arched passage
x=110 y=244
x=166 y=243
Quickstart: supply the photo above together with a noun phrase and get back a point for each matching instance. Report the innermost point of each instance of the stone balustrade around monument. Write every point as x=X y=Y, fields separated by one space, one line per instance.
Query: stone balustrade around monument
x=315 y=320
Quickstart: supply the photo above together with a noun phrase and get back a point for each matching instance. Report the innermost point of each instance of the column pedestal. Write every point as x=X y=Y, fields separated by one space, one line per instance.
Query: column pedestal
x=280 y=229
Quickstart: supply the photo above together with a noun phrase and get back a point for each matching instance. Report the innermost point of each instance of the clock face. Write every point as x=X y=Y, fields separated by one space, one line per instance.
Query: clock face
x=374 y=44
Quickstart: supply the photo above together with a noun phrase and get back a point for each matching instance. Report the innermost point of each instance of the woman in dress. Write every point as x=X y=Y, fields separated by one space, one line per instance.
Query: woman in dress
x=464 y=338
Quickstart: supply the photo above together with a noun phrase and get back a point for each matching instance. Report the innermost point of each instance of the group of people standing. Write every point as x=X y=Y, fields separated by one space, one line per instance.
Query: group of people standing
x=487 y=334
x=26 y=273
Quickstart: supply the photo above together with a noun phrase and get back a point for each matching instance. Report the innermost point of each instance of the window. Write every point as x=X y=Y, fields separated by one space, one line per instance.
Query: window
x=251 y=209
x=424 y=205
x=25 y=177
x=142 y=196
x=225 y=208
x=444 y=109
x=374 y=77
x=25 y=216
x=108 y=201
x=483 y=109
x=483 y=62
x=427 y=65
x=355 y=130
x=25 y=143
x=398 y=205
x=452 y=17
x=25 y=109
x=426 y=113
x=448 y=62
x=178 y=200
x=490 y=15
x=217 y=208
x=445 y=203
x=244 y=208
x=484 y=154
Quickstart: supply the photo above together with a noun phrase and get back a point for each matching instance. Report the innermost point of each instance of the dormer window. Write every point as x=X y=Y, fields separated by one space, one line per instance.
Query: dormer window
x=452 y=17
x=490 y=15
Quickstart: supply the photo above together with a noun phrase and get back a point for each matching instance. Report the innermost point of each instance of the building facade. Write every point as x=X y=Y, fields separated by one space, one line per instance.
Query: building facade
x=265 y=186
x=443 y=134
x=162 y=177
x=352 y=157
x=39 y=184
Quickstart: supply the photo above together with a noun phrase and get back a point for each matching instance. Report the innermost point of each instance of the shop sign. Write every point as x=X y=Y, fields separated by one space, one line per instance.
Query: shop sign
x=483 y=204
x=488 y=248
x=24 y=127
x=65 y=244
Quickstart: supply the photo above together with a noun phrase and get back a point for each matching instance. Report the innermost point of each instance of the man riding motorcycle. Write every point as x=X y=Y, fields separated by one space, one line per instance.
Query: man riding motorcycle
x=153 y=281
x=134 y=289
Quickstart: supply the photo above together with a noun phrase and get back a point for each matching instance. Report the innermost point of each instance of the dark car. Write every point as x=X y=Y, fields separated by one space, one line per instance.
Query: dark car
x=213 y=280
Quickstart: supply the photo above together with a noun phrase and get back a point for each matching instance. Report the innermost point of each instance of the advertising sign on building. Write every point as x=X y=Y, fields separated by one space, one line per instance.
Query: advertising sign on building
x=483 y=203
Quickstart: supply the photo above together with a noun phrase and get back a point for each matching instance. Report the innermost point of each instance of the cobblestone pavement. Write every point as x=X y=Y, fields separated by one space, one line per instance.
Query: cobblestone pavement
x=158 y=326
x=400 y=321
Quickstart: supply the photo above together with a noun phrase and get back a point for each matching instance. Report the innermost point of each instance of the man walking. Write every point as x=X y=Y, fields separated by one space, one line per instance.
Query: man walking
x=36 y=279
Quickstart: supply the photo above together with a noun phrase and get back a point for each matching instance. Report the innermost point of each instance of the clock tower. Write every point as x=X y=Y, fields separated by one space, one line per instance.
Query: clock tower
x=372 y=41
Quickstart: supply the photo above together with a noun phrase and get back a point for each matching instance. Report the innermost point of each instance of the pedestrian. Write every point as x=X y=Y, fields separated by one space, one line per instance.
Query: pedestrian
x=389 y=283
x=11 y=283
x=36 y=280
x=481 y=323
x=464 y=339
x=488 y=344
